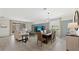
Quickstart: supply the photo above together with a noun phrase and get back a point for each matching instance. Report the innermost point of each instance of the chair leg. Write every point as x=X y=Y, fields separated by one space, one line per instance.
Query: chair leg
x=41 y=44
x=67 y=50
x=54 y=38
x=37 y=42
x=51 y=41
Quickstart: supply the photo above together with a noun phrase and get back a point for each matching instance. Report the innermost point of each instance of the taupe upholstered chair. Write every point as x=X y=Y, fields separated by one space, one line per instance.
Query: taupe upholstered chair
x=53 y=36
x=40 y=38
x=18 y=36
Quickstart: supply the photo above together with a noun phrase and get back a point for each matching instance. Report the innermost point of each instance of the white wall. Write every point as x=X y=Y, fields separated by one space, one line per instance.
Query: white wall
x=55 y=22
x=29 y=26
x=41 y=21
x=1 y=12
x=4 y=31
x=19 y=25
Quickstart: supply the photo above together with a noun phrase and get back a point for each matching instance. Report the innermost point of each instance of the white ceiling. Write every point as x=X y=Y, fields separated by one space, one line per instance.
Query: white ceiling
x=35 y=14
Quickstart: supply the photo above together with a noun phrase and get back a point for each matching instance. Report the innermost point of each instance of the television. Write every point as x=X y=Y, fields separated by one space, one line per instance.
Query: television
x=39 y=28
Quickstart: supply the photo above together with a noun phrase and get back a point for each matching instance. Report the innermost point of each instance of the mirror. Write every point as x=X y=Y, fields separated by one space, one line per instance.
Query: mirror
x=76 y=17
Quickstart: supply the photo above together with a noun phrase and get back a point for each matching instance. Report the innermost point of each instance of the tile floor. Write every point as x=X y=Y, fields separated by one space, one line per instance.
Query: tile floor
x=10 y=44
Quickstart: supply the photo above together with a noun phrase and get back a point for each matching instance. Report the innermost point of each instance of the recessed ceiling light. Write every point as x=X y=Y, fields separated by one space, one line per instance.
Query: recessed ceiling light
x=45 y=8
x=48 y=12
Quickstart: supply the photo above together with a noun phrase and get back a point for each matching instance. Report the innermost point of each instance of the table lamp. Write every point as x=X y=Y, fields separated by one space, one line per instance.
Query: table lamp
x=72 y=27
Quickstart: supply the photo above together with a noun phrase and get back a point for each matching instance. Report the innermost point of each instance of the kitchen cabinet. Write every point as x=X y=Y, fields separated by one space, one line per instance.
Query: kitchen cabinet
x=72 y=43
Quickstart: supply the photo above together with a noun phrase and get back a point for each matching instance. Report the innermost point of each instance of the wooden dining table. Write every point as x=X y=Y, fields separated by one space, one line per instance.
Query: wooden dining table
x=47 y=36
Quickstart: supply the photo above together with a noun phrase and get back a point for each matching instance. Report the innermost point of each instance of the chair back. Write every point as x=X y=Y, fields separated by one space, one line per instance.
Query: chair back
x=39 y=36
x=17 y=35
x=53 y=35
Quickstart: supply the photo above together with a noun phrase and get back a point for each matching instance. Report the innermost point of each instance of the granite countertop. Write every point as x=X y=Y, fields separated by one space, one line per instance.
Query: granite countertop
x=75 y=35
